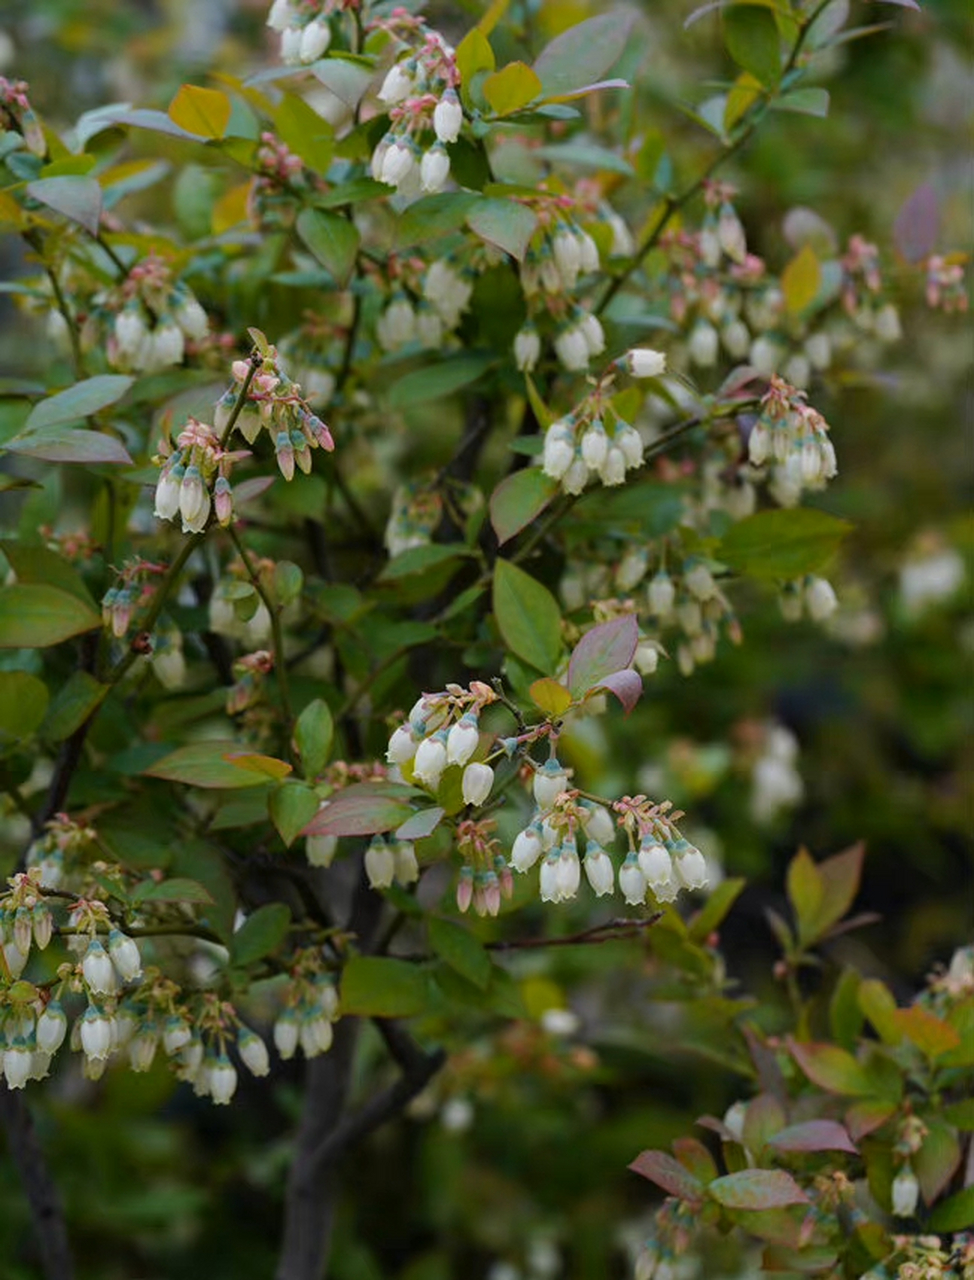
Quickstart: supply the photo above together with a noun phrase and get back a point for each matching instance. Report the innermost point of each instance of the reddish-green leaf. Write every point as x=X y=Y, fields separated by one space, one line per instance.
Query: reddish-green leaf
x=840 y=875
x=832 y=1068
x=863 y=1118
x=208 y=764
x=757 y=1189
x=805 y=892
x=363 y=809
x=695 y=1158
x=937 y=1160
x=626 y=685
x=519 y=499
x=931 y=1035
x=877 y=1003
x=764 y=1117
x=33 y=616
x=603 y=651
x=660 y=1168
x=813 y=1135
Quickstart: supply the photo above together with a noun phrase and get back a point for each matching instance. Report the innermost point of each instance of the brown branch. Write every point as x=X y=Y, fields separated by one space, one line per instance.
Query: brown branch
x=46 y=1210
x=612 y=931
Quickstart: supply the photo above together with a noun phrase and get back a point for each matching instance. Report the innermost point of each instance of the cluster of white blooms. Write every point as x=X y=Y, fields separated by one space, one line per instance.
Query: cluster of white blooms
x=659 y=858
x=310 y=1010
x=443 y=731
x=795 y=438
x=428 y=315
x=146 y=321
x=304 y=28
x=592 y=440
x=812 y=594
x=425 y=115
x=559 y=253
x=932 y=573
x=194 y=479
x=776 y=783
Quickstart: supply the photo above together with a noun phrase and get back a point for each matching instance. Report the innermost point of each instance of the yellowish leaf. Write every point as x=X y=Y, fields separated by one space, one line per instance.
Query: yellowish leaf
x=550 y=697
x=744 y=93
x=231 y=209
x=511 y=88
x=801 y=279
x=474 y=54
x=205 y=112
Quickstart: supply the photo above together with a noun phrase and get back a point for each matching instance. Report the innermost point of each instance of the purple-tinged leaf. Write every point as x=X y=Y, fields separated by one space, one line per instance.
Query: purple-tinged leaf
x=420 y=825
x=695 y=1158
x=518 y=500
x=582 y=54
x=363 y=809
x=73 y=196
x=78 y=401
x=248 y=490
x=864 y=1118
x=665 y=1172
x=917 y=224
x=833 y=1069
x=626 y=685
x=903 y=4
x=717 y=1126
x=605 y=650
x=814 y=1135
x=757 y=1189
x=595 y=87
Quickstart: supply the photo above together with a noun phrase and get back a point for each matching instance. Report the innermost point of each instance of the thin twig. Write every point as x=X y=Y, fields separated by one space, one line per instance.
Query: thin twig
x=612 y=931
x=46 y=1210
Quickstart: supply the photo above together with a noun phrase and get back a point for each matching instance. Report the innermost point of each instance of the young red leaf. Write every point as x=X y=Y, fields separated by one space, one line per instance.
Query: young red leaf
x=603 y=651
x=813 y=1135
x=757 y=1189
x=661 y=1168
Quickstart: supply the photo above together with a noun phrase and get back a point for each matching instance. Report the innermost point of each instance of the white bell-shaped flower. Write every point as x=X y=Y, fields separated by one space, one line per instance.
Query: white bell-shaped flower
x=253 y=1052
x=431 y=760
x=527 y=848
x=380 y=864
x=462 y=739
x=98 y=970
x=477 y=782
x=599 y=870
x=632 y=882
x=550 y=780
x=448 y=117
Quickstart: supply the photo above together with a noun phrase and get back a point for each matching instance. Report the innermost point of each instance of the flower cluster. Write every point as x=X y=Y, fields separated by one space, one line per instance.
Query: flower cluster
x=425 y=115
x=593 y=440
x=263 y=398
x=16 y=115
x=149 y=319
x=388 y=861
x=424 y=309
x=443 y=730
x=794 y=437
x=945 y=282
x=310 y=1009
x=195 y=479
x=304 y=28
x=659 y=858
x=281 y=181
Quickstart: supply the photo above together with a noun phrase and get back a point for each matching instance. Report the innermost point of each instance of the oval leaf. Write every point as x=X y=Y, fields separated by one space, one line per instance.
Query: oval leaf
x=751 y=36
x=332 y=239
x=606 y=649
x=377 y=987
x=626 y=685
x=832 y=1068
x=437 y=380
x=801 y=280
x=511 y=88
x=420 y=825
x=665 y=1172
x=519 y=499
x=582 y=54
x=757 y=1189
x=23 y=701
x=814 y=1135
x=33 y=616
x=178 y=890
x=313 y=736
x=503 y=223
x=75 y=197
x=205 y=112
x=70 y=446
x=291 y=807
x=461 y=950
x=550 y=697
x=206 y=764
x=261 y=933
x=917 y=224
x=528 y=616
x=79 y=401
x=783 y=544
x=363 y=809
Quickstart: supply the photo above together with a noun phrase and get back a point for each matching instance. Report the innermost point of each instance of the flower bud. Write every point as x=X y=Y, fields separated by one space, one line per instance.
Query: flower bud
x=691 y=869
x=597 y=823
x=644 y=362
x=820 y=598
x=142 y=1049
x=286 y=1031
x=632 y=882
x=595 y=445
x=98 y=970
x=320 y=850
x=462 y=740
x=222 y=1080
x=176 y=1035
x=703 y=344
x=477 y=782
x=550 y=780
x=406 y=866
x=315 y=39
x=17 y=1063
x=434 y=169
x=431 y=760
x=613 y=470
x=397 y=86
x=905 y=1193
x=96 y=1033
x=124 y=952
x=402 y=745
x=527 y=848
x=572 y=348
x=253 y=1052
x=527 y=348
x=51 y=1028
x=448 y=117
x=380 y=864
x=599 y=869
x=167 y=492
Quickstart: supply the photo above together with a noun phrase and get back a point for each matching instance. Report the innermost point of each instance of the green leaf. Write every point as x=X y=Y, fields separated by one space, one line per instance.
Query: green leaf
x=659 y=1167
x=437 y=380
x=711 y=914
x=805 y=892
x=474 y=54
x=79 y=401
x=601 y=652
x=77 y=198
x=956 y=1213
x=261 y=933
x=582 y=54
x=832 y=1069
x=503 y=223
x=757 y=1189
x=519 y=499
x=960 y=1114
x=305 y=132
x=32 y=562
x=511 y=88
x=207 y=764
x=23 y=701
x=840 y=876
x=332 y=239
x=930 y=1034
x=432 y=216
x=72 y=705
x=806 y=102
x=528 y=617
x=782 y=544
x=363 y=809
x=204 y=112
x=377 y=987
x=751 y=37
x=33 y=616
x=178 y=890
x=66 y=445
x=461 y=951
x=937 y=1160
x=313 y=734
x=418 y=560
x=291 y=806
x=801 y=280
x=586 y=155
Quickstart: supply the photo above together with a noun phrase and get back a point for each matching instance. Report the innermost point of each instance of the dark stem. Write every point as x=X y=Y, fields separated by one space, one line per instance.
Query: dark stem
x=46 y=1210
